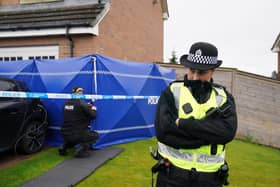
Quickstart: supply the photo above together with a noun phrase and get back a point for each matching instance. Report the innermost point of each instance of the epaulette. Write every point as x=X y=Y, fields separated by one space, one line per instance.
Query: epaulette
x=218 y=86
x=175 y=81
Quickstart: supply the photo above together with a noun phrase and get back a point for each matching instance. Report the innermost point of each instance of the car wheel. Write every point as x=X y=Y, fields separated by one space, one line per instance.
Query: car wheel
x=33 y=138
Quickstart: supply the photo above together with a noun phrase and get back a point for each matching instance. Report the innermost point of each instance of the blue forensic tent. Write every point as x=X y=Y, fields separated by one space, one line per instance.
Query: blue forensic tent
x=118 y=120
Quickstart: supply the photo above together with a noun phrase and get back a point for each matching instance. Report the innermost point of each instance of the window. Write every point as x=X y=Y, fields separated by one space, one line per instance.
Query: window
x=36 y=1
x=28 y=53
x=12 y=58
x=6 y=86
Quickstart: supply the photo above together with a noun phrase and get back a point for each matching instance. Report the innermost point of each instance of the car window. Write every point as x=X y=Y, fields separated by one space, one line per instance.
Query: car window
x=6 y=86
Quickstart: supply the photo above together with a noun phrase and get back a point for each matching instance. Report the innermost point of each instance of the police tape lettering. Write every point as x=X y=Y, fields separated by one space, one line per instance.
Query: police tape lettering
x=153 y=100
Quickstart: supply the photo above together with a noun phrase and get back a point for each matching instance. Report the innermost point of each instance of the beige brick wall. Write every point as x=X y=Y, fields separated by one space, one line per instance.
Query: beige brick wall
x=258 y=106
x=278 y=56
x=257 y=102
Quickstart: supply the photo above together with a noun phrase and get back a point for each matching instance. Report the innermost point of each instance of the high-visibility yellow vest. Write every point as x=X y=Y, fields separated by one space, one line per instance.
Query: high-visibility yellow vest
x=200 y=158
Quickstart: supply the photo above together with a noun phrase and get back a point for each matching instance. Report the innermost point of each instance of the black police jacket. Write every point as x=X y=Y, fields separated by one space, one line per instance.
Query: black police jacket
x=192 y=133
x=77 y=116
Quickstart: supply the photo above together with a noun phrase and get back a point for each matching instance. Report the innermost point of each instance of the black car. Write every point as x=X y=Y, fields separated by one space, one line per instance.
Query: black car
x=23 y=121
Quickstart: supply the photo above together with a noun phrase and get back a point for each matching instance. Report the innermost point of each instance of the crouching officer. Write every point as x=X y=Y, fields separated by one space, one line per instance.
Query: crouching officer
x=194 y=120
x=77 y=115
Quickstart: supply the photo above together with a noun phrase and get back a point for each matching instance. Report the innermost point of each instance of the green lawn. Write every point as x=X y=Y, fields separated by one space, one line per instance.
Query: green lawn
x=41 y=162
x=251 y=165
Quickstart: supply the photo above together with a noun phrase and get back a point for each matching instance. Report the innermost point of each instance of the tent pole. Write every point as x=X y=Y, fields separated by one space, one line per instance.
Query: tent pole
x=94 y=74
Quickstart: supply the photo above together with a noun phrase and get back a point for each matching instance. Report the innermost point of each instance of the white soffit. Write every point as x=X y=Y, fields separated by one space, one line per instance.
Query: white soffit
x=49 y=32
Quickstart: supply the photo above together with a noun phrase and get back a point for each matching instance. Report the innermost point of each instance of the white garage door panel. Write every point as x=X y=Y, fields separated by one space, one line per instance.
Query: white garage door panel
x=25 y=53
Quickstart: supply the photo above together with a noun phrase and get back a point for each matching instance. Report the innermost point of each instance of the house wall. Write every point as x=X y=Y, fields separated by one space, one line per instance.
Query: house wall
x=257 y=102
x=9 y=2
x=132 y=30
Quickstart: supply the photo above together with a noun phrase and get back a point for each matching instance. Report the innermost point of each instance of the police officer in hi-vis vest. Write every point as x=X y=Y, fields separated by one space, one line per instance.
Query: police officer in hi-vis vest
x=195 y=119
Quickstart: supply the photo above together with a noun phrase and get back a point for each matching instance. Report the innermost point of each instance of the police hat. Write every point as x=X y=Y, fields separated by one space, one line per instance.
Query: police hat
x=202 y=56
x=76 y=89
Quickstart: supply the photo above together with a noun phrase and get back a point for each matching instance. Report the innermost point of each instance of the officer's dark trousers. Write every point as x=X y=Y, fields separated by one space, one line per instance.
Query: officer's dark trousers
x=177 y=177
x=85 y=139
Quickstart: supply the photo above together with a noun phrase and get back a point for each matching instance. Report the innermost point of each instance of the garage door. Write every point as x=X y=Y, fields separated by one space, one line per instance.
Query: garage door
x=28 y=53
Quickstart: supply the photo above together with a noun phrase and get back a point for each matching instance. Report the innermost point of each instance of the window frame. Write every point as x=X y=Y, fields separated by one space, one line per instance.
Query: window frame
x=37 y=1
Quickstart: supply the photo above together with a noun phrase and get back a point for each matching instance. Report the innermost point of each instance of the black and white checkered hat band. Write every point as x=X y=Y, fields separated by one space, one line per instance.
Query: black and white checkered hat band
x=199 y=59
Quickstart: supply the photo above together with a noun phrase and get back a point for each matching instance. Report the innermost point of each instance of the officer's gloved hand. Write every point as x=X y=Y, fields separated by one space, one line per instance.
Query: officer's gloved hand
x=223 y=111
x=212 y=113
x=91 y=102
x=178 y=119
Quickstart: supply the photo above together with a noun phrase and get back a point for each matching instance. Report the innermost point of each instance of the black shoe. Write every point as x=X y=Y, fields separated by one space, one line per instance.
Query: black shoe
x=81 y=153
x=91 y=148
x=62 y=151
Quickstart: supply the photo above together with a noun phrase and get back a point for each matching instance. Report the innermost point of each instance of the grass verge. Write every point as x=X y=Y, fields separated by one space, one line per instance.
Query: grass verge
x=20 y=173
x=251 y=165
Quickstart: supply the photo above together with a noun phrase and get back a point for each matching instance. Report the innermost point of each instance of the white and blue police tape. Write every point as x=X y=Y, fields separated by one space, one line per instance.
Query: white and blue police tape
x=42 y=95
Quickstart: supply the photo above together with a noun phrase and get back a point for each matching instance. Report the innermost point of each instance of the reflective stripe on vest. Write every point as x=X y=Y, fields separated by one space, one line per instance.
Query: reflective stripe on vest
x=199 y=158
x=190 y=157
x=176 y=93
